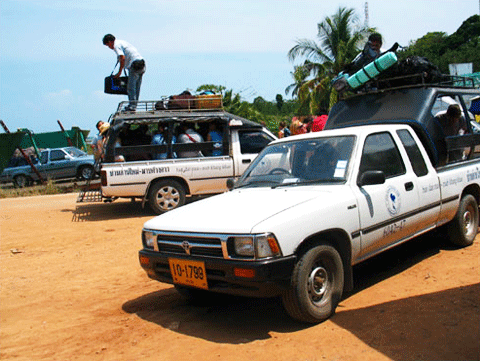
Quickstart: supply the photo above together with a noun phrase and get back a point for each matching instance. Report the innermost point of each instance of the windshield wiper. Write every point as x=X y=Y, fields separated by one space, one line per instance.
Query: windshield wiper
x=253 y=182
x=313 y=181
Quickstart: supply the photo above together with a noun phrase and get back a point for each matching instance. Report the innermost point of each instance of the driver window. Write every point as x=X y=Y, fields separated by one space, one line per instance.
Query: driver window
x=381 y=153
x=57 y=155
x=253 y=141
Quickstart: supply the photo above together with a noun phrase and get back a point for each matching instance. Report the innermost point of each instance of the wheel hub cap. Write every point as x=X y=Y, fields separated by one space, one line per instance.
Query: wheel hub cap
x=168 y=198
x=467 y=222
x=318 y=283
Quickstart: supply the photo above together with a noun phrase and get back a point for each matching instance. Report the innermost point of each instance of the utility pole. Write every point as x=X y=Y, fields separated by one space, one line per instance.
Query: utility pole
x=366 y=15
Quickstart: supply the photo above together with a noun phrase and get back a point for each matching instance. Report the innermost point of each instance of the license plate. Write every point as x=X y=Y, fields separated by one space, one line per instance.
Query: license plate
x=188 y=273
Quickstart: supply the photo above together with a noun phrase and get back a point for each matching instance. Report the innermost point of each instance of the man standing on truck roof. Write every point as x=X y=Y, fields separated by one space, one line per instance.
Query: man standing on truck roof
x=129 y=58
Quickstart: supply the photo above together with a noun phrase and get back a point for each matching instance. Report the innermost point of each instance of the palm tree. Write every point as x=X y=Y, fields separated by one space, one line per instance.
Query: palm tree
x=339 y=37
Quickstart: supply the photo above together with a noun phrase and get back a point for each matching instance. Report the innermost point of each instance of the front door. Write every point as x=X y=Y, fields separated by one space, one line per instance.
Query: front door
x=385 y=209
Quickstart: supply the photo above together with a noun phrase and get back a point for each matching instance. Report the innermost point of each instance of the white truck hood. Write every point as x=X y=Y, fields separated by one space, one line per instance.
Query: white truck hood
x=237 y=211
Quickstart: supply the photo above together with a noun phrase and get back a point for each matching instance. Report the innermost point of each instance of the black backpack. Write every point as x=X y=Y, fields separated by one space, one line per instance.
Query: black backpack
x=414 y=70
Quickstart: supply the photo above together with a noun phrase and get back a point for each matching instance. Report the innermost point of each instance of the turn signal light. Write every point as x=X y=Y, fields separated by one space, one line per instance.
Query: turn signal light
x=144 y=260
x=244 y=272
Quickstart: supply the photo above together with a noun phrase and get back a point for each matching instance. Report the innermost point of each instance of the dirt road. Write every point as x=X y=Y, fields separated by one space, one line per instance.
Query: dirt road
x=72 y=289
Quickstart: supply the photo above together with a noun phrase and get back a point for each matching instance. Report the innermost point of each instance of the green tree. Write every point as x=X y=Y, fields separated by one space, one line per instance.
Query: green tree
x=339 y=37
x=279 y=100
x=218 y=89
x=442 y=49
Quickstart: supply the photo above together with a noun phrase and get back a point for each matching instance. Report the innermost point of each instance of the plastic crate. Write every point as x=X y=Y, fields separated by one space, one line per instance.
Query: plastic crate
x=208 y=101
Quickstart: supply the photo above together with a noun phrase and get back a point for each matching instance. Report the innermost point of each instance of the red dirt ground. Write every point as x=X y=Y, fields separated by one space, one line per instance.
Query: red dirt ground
x=72 y=289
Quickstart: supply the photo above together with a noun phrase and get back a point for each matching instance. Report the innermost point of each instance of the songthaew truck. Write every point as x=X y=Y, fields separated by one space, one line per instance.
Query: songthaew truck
x=312 y=206
x=164 y=155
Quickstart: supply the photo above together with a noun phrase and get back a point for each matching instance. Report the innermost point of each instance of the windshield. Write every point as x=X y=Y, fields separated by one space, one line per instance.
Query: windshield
x=321 y=160
x=75 y=152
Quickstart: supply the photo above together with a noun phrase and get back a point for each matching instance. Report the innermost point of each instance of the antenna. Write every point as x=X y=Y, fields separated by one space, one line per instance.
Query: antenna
x=366 y=14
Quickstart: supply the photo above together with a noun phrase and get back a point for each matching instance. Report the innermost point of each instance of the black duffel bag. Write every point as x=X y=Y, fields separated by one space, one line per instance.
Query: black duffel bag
x=116 y=85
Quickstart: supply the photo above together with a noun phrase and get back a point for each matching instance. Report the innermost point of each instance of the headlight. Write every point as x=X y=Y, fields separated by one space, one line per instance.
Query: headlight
x=244 y=246
x=148 y=239
x=257 y=246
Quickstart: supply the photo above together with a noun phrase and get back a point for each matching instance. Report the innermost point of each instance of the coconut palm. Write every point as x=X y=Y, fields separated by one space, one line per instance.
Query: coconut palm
x=339 y=37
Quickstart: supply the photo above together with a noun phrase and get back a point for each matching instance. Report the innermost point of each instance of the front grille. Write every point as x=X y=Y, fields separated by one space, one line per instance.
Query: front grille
x=190 y=245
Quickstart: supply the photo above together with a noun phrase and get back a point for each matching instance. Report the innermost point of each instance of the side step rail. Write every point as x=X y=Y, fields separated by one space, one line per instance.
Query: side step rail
x=90 y=193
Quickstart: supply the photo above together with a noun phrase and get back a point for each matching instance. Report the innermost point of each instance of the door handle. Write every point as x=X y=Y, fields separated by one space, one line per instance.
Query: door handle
x=409 y=186
x=246 y=161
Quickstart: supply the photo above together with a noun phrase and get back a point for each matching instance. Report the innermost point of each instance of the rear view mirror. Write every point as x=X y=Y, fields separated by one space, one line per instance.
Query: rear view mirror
x=371 y=177
x=230 y=183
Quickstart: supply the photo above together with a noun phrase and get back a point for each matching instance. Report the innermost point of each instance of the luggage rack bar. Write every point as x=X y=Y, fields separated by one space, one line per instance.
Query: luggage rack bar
x=413 y=81
x=197 y=103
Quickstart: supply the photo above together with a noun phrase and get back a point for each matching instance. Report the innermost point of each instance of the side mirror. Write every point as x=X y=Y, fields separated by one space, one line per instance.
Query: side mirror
x=371 y=177
x=230 y=183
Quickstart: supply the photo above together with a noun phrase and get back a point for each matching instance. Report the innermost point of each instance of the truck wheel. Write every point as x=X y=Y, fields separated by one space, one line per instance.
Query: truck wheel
x=166 y=195
x=316 y=286
x=463 y=229
x=86 y=172
x=22 y=180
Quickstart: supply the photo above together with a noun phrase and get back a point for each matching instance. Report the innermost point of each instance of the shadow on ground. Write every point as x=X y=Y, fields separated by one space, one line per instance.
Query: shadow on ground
x=421 y=327
x=118 y=209
x=220 y=318
x=91 y=212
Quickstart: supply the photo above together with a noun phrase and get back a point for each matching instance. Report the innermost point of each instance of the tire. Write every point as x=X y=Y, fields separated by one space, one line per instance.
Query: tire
x=463 y=229
x=166 y=195
x=316 y=286
x=86 y=172
x=22 y=180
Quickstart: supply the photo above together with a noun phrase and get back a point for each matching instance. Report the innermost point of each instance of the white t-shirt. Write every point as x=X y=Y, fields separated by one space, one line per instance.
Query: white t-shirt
x=121 y=47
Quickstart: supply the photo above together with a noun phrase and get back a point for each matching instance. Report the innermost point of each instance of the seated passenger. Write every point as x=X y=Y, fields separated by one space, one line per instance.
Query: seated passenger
x=188 y=135
x=160 y=138
x=118 y=157
x=452 y=122
x=215 y=136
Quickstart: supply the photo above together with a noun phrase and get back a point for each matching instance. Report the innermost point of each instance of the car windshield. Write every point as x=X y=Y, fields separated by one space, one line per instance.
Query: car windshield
x=307 y=161
x=75 y=152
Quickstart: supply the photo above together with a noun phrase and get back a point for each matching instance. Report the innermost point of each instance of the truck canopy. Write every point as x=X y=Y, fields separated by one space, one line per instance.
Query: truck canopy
x=148 y=118
x=414 y=105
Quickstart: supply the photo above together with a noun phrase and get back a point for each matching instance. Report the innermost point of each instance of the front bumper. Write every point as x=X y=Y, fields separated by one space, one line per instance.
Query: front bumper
x=271 y=276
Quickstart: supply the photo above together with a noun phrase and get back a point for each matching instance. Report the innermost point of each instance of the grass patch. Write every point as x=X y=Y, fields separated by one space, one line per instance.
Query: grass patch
x=48 y=188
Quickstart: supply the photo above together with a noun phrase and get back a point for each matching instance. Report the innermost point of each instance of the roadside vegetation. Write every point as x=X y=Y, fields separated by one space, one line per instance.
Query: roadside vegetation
x=50 y=187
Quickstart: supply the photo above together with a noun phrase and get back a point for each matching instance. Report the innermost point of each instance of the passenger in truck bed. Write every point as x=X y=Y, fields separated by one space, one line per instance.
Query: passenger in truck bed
x=160 y=138
x=452 y=122
x=189 y=135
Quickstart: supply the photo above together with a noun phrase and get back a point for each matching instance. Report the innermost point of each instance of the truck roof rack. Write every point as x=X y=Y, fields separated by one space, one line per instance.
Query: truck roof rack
x=197 y=103
x=420 y=80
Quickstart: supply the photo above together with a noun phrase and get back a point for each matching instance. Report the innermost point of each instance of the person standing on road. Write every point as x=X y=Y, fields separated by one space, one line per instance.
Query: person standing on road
x=130 y=59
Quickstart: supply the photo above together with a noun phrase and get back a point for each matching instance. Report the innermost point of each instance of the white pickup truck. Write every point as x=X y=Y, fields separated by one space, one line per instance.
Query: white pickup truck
x=310 y=207
x=165 y=172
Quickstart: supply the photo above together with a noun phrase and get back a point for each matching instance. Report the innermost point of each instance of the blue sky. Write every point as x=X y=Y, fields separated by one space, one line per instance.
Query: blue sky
x=53 y=62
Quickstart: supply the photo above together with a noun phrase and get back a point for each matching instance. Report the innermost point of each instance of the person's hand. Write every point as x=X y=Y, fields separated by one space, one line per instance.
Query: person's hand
x=117 y=75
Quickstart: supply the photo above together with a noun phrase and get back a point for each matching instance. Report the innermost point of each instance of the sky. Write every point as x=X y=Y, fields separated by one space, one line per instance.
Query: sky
x=53 y=62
